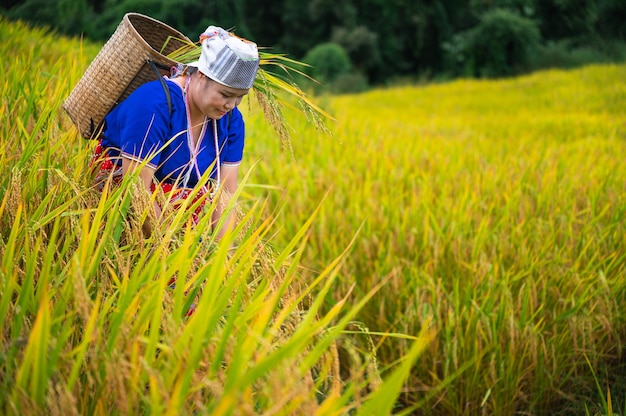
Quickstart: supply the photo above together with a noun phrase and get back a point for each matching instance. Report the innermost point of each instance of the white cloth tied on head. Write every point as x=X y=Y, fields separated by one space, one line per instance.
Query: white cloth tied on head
x=228 y=59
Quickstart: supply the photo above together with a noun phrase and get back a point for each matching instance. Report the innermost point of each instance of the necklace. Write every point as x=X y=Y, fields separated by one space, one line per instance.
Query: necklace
x=194 y=148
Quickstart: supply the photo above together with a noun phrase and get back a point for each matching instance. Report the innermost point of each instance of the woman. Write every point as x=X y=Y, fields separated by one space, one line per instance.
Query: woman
x=174 y=144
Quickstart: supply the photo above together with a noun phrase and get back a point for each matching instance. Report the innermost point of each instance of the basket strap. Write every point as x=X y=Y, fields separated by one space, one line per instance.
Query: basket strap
x=163 y=83
x=155 y=67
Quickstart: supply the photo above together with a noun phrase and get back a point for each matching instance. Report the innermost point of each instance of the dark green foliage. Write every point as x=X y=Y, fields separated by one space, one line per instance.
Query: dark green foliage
x=74 y=12
x=349 y=83
x=328 y=61
x=612 y=19
x=361 y=44
x=385 y=40
x=560 y=19
x=37 y=11
x=332 y=67
x=565 y=54
x=188 y=16
x=501 y=44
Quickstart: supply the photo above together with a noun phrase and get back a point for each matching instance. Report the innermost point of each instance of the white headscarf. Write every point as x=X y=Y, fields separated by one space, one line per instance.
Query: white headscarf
x=228 y=59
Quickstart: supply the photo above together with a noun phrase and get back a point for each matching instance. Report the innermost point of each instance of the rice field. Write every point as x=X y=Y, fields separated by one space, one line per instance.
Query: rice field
x=451 y=249
x=494 y=208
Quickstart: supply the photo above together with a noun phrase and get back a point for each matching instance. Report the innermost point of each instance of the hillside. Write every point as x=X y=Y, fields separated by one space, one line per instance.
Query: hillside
x=452 y=248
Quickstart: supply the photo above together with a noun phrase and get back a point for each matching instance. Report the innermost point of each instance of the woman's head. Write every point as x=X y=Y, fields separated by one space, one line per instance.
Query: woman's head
x=214 y=99
x=228 y=59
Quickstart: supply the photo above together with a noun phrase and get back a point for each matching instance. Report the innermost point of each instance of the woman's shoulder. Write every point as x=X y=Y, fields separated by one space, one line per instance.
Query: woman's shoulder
x=156 y=89
x=148 y=99
x=150 y=96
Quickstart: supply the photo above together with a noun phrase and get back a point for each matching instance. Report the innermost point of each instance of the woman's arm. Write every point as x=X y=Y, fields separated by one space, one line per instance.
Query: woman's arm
x=229 y=174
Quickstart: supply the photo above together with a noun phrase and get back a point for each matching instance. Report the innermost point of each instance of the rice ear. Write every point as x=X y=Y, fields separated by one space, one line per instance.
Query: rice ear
x=273 y=90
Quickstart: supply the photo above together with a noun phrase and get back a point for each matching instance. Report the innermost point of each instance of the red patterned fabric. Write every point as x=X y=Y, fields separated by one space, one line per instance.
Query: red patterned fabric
x=107 y=170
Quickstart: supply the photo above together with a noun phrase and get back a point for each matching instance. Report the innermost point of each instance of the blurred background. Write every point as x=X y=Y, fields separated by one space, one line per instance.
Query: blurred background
x=354 y=45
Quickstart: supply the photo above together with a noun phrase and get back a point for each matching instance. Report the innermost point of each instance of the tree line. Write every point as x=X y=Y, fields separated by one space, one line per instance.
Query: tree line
x=352 y=44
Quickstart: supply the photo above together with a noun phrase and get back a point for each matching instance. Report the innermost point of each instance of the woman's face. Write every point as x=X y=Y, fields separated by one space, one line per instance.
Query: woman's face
x=213 y=99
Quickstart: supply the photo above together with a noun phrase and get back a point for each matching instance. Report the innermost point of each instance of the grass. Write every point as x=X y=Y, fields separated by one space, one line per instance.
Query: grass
x=451 y=249
x=90 y=324
x=495 y=207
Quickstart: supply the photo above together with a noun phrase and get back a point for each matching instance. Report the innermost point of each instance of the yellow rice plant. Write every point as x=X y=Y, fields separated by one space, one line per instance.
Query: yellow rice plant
x=483 y=220
x=496 y=208
x=96 y=314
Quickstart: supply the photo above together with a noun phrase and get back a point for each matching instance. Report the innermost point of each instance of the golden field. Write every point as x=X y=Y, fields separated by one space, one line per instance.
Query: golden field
x=453 y=248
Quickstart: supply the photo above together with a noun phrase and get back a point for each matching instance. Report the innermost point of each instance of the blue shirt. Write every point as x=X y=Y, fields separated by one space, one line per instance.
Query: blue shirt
x=140 y=128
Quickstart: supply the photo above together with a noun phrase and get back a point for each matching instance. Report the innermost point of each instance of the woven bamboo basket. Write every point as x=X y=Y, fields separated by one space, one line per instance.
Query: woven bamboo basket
x=122 y=65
